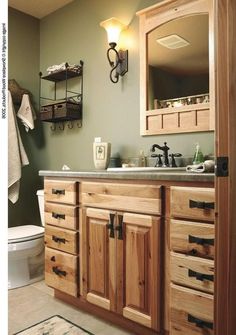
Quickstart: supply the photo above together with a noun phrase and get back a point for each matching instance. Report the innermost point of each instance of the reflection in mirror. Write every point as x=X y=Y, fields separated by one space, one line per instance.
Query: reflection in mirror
x=178 y=63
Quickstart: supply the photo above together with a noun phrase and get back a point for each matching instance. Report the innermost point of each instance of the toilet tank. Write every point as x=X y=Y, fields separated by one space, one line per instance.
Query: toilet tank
x=40 y=194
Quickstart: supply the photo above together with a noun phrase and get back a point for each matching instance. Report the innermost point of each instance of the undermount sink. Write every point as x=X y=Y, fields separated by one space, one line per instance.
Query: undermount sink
x=146 y=169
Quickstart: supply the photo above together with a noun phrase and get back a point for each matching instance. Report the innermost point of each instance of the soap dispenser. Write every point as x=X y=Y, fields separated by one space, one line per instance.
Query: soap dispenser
x=142 y=159
x=198 y=155
x=101 y=153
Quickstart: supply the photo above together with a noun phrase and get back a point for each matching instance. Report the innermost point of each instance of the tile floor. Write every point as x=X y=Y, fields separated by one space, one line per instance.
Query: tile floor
x=31 y=304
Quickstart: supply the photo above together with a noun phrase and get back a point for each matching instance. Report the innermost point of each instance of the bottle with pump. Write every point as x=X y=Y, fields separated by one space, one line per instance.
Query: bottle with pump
x=101 y=153
x=142 y=159
x=198 y=156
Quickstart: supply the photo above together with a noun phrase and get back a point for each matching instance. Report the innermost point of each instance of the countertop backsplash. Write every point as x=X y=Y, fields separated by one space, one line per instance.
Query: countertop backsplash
x=150 y=161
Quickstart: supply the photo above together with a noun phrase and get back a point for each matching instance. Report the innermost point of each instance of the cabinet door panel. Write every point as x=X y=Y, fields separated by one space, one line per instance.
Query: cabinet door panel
x=141 y=270
x=98 y=256
x=98 y=245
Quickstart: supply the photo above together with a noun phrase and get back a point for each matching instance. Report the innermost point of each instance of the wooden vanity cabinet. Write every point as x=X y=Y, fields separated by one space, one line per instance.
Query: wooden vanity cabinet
x=121 y=250
x=131 y=253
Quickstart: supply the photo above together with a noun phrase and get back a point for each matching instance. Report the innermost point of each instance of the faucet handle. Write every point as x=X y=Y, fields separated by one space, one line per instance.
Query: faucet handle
x=159 y=161
x=173 y=163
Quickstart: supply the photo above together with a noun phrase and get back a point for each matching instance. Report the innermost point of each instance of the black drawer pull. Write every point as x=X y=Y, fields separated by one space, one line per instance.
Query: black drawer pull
x=56 y=191
x=193 y=252
x=110 y=225
x=58 y=216
x=119 y=228
x=58 y=239
x=58 y=271
x=201 y=204
x=200 y=240
x=200 y=323
x=200 y=276
x=53 y=259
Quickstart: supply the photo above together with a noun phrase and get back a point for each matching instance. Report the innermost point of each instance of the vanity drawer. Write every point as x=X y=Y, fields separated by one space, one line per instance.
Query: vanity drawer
x=61 y=239
x=193 y=272
x=191 y=312
x=64 y=216
x=193 y=238
x=61 y=191
x=193 y=203
x=61 y=271
x=127 y=197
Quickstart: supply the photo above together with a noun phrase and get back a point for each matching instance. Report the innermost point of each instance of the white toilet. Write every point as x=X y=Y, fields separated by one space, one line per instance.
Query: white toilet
x=26 y=251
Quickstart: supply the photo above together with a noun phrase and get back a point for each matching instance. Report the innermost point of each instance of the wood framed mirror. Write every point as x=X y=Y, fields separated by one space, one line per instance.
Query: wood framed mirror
x=177 y=67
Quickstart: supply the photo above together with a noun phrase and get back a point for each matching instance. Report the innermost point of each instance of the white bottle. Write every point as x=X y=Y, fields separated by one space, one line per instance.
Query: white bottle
x=101 y=153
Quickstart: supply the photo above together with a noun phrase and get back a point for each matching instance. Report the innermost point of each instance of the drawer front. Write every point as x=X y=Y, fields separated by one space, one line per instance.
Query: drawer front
x=61 y=271
x=63 y=216
x=61 y=191
x=193 y=203
x=193 y=238
x=128 y=197
x=193 y=272
x=61 y=239
x=191 y=312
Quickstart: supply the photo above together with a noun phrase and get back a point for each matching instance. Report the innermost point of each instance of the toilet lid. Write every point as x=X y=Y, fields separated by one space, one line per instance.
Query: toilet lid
x=24 y=233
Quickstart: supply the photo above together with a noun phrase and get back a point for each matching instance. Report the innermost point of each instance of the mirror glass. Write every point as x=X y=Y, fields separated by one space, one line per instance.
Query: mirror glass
x=178 y=63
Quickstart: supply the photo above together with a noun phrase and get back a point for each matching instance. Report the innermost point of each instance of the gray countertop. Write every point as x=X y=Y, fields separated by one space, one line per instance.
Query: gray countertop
x=150 y=175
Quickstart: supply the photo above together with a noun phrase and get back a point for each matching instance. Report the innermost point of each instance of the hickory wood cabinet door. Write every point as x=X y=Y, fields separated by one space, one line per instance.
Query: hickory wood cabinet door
x=98 y=258
x=139 y=283
x=121 y=264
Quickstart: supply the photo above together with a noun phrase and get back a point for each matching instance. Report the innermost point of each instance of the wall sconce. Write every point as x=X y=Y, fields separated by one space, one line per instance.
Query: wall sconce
x=120 y=65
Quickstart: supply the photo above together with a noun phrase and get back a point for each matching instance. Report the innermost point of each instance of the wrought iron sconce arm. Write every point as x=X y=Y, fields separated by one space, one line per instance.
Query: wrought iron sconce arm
x=114 y=77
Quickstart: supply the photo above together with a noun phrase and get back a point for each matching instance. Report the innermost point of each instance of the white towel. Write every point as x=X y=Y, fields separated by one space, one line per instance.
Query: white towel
x=17 y=157
x=55 y=68
x=207 y=166
x=26 y=113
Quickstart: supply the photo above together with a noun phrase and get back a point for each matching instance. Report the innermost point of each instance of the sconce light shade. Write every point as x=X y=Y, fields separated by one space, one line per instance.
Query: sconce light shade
x=113 y=28
x=119 y=67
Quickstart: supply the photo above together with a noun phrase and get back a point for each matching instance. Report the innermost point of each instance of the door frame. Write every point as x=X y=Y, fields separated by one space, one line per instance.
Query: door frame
x=225 y=146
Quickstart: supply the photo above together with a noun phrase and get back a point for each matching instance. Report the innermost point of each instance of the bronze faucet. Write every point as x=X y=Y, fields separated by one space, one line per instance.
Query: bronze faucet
x=165 y=150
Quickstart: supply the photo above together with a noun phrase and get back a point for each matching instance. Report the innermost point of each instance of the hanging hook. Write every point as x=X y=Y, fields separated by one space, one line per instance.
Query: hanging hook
x=70 y=125
x=61 y=126
x=54 y=127
x=79 y=124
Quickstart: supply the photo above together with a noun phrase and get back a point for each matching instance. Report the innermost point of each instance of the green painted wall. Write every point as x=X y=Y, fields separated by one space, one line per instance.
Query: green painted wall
x=23 y=66
x=110 y=110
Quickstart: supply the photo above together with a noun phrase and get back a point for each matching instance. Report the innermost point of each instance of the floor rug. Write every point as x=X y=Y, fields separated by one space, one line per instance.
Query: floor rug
x=55 y=325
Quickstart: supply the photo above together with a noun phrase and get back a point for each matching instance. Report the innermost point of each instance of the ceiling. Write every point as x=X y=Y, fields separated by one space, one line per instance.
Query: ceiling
x=38 y=9
x=190 y=59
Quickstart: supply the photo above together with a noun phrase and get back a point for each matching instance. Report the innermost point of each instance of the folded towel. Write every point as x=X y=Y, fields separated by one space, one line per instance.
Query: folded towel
x=26 y=113
x=55 y=68
x=17 y=157
x=207 y=166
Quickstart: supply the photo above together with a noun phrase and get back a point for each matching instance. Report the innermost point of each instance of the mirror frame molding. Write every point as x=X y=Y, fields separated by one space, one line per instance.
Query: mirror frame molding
x=190 y=118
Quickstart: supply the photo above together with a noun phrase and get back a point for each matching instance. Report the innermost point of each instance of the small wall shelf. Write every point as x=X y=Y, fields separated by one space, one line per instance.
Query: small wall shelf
x=68 y=108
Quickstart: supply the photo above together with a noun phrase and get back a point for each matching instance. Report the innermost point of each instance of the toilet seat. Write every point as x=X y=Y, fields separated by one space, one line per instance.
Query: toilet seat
x=24 y=233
